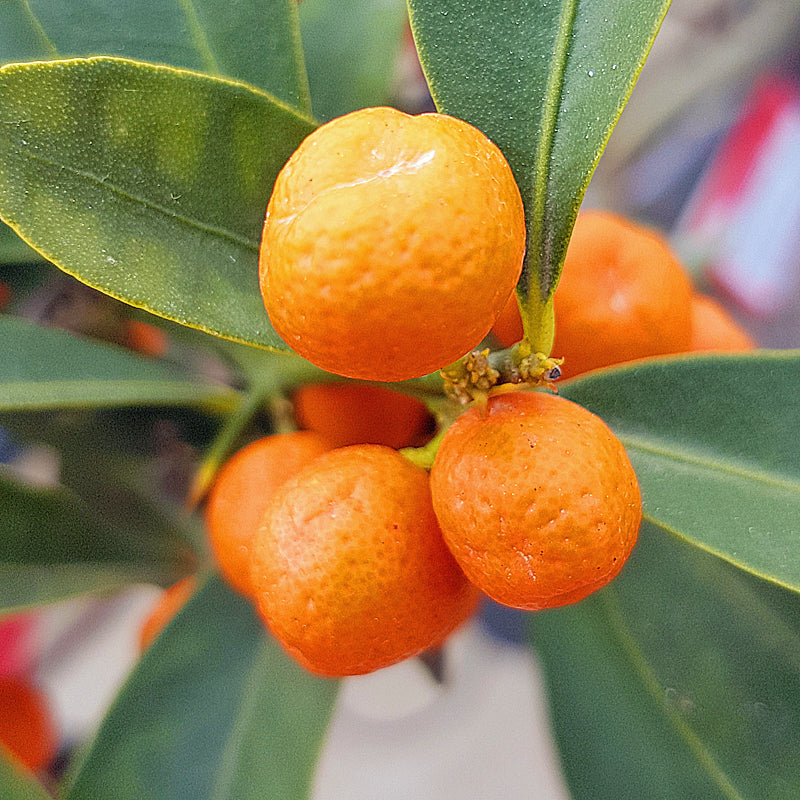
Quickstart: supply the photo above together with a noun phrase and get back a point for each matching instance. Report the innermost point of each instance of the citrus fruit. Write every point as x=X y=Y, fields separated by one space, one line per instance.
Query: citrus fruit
x=390 y=244
x=243 y=489
x=536 y=499
x=172 y=600
x=27 y=728
x=507 y=327
x=713 y=328
x=351 y=413
x=349 y=568
x=147 y=339
x=622 y=295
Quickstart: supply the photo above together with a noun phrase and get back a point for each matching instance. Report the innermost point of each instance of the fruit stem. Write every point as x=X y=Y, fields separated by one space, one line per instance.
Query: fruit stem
x=222 y=445
x=474 y=376
x=538 y=325
x=424 y=456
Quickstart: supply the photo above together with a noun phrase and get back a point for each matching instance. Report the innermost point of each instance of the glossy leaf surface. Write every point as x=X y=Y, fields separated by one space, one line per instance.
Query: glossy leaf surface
x=148 y=183
x=214 y=710
x=678 y=680
x=44 y=368
x=255 y=41
x=54 y=546
x=351 y=49
x=546 y=81
x=715 y=446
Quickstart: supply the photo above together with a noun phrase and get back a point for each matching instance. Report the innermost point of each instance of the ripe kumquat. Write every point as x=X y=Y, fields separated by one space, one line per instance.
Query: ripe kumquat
x=536 y=499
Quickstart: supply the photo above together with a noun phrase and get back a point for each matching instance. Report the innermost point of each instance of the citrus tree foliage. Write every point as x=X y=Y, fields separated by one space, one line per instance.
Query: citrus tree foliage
x=138 y=146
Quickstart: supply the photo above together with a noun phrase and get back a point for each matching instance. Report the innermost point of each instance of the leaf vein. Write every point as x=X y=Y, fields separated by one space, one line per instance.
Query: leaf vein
x=728 y=467
x=652 y=686
x=551 y=105
x=198 y=35
x=190 y=222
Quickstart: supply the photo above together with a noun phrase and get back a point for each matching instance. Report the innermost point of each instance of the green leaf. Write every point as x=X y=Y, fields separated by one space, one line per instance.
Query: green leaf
x=17 y=783
x=35 y=585
x=54 y=546
x=13 y=250
x=714 y=443
x=257 y=42
x=21 y=34
x=148 y=183
x=678 y=680
x=45 y=368
x=546 y=80
x=214 y=710
x=351 y=49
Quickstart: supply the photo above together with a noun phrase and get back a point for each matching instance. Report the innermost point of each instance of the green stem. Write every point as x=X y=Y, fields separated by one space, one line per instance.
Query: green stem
x=231 y=429
x=538 y=324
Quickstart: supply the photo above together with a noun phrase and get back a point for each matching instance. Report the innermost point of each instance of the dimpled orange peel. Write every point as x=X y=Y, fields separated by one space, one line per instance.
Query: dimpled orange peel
x=350 y=572
x=536 y=499
x=391 y=243
x=243 y=489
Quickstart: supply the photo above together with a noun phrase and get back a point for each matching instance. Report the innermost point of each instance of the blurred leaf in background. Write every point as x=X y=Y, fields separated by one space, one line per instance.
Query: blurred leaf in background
x=351 y=50
x=215 y=709
x=256 y=41
x=679 y=680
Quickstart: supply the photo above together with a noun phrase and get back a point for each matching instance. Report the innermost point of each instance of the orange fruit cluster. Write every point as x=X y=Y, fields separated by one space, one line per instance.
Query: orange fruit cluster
x=350 y=570
x=340 y=551
x=356 y=558
x=623 y=295
x=391 y=243
x=390 y=246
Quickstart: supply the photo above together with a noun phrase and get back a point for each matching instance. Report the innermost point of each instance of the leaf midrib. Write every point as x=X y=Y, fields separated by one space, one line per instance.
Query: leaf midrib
x=228 y=762
x=649 y=680
x=657 y=447
x=551 y=106
x=148 y=391
x=213 y=230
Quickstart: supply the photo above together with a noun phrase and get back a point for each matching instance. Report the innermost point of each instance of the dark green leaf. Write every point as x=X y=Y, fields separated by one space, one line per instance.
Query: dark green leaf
x=214 y=710
x=546 y=80
x=32 y=586
x=44 y=368
x=146 y=182
x=255 y=41
x=21 y=34
x=53 y=546
x=13 y=250
x=17 y=784
x=714 y=442
x=351 y=49
x=679 y=680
